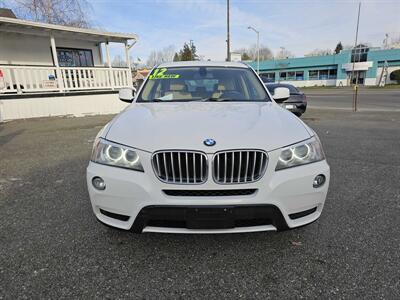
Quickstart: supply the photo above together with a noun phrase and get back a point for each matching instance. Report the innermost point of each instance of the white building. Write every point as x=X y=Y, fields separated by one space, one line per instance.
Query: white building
x=52 y=70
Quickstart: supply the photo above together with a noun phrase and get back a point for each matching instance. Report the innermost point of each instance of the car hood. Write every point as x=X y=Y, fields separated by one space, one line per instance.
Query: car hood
x=185 y=125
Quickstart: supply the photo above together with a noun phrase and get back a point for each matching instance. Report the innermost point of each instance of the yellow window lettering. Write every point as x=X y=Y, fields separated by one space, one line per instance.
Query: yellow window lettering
x=159 y=74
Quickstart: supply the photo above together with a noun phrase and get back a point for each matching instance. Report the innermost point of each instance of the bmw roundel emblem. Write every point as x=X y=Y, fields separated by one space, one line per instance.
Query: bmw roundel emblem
x=209 y=142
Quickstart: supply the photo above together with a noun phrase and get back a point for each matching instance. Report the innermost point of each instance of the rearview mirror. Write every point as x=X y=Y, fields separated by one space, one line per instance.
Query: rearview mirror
x=127 y=94
x=281 y=94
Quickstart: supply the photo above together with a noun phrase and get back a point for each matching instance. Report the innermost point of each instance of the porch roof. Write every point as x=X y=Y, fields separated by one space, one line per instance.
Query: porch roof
x=44 y=29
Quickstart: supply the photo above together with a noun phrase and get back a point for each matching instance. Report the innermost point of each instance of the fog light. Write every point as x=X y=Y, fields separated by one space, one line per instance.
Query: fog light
x=99 y=183
x=319 y=181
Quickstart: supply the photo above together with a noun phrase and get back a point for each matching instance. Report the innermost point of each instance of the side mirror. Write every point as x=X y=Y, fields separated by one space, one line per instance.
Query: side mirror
x=281 y=94
x=127 y=94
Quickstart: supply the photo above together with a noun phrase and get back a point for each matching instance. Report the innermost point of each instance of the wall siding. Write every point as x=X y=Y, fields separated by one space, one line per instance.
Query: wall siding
x=18 y=49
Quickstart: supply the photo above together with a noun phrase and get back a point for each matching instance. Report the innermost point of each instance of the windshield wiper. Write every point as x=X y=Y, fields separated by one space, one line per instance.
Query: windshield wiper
x=209 y=99
x=174 y=100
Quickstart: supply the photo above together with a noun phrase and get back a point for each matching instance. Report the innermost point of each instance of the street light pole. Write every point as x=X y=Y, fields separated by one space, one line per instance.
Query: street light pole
x=258 y=52
x=258 y=47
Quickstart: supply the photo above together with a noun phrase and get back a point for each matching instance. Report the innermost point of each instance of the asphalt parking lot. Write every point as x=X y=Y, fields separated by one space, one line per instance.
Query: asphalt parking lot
x=52 y=247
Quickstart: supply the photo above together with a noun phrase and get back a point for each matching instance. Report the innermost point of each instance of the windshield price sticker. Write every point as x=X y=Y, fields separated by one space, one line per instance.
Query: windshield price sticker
x=159 y=74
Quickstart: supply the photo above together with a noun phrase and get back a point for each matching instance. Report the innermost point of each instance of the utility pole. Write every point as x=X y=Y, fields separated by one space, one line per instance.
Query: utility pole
x=228 y=42
x=355 y=95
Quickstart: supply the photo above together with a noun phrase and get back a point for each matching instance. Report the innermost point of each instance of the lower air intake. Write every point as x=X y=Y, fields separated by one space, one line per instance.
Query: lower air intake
x=210 y=193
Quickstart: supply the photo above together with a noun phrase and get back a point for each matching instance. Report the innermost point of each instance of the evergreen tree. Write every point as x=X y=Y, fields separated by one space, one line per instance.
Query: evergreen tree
x=176 y=57
x=245 y=56
x=339 y=47
x=188 y=52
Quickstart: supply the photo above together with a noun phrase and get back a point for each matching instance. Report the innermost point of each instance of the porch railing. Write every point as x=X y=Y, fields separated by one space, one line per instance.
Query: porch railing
x=27 y=79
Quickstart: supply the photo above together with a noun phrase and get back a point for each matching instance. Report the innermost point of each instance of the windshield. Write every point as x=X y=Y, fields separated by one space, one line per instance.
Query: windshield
x=202 y=84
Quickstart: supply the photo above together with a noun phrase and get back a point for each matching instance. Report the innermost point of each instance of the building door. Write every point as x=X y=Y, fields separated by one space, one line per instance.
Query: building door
x=358 y=77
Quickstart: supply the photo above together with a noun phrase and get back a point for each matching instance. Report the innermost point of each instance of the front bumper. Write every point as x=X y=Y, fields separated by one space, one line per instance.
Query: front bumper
x=138 y=201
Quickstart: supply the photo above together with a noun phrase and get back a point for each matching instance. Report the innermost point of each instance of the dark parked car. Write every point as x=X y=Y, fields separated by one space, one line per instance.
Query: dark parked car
x=297 y=103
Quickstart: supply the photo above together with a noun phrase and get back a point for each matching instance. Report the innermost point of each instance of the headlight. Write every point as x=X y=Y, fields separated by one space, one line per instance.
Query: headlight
x=300 y=154
x=109 y=153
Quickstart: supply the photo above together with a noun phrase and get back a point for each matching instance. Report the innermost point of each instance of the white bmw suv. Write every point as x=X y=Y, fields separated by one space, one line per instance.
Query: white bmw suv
x=204 y=148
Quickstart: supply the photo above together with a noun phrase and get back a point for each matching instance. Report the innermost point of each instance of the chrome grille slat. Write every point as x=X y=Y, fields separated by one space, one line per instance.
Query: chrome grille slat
x=165 y=167
x=254 y=166
x=247 y=166
x=201 y=166
x=233 y=166
x=180 y=167
x=225 y=164
x=172 y=162
x=158 y=166
x=187 y=167
x=261 y=163
x=239 y=166
x=194 y=167
x=217 y=168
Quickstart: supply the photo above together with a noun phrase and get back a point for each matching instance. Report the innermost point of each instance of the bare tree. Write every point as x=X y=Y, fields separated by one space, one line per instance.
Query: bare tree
x=159 y=56
x=63 y=12
x=251 y=52
x=118 y=62
x=283 y=53
x=395 y=41
x=265 y=52
x=319 y=52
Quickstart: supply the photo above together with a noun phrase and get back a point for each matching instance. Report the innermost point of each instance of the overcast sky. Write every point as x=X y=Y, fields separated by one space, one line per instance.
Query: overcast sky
x=299 y=26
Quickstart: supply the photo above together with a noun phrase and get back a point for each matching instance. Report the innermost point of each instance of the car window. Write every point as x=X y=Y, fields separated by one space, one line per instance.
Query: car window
x=202 y=84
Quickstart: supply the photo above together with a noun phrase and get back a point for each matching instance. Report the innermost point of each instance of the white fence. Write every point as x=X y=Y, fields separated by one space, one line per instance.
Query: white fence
x=26 y=79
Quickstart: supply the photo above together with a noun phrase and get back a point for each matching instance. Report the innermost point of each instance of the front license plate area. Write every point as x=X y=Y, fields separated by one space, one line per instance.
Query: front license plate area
x=210 y=218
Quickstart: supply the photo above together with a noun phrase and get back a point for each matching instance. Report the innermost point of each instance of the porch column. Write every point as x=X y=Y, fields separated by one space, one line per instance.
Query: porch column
x=128 y=62
x=109 y=67
x=55 y=58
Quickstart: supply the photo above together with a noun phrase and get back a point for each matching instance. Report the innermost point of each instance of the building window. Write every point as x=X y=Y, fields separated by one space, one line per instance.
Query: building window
x=292 y=76
x=359 y=53
x=68 y=57
x=332 y=74
x=269 y=77
x=322 y=74
x=313 y=74
x=300 y=75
